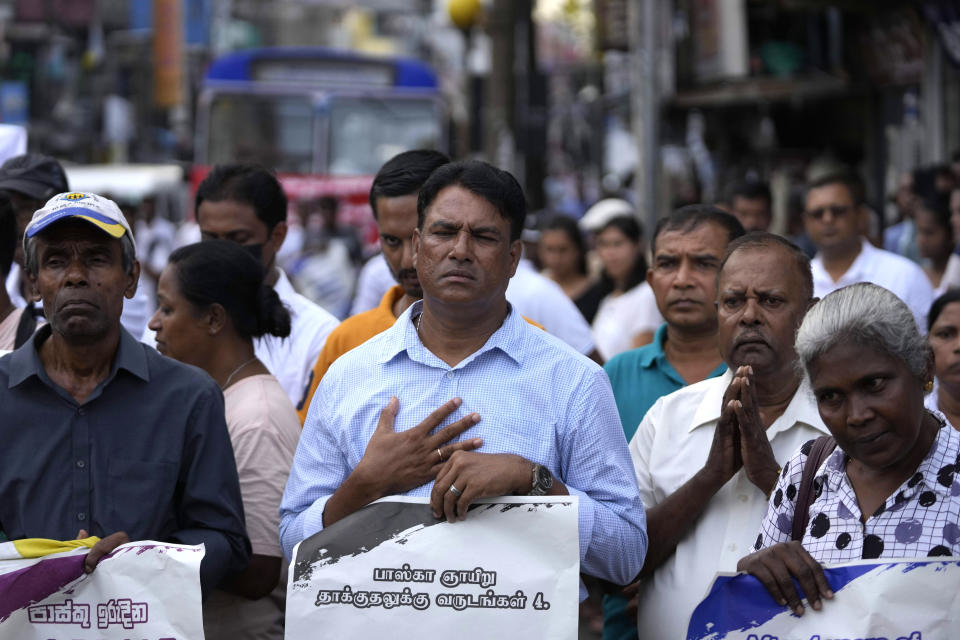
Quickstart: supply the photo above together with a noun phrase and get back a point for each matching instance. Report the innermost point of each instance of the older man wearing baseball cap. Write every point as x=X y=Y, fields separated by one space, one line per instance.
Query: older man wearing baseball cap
x=102 y=435
x=29 y=181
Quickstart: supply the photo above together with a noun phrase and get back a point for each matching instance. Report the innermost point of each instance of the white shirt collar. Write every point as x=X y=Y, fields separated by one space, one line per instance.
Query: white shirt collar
x=404 y=336
x=283 y=287
x=857 y=272
x=13 y=286
x=525 y=264
x=710 y=406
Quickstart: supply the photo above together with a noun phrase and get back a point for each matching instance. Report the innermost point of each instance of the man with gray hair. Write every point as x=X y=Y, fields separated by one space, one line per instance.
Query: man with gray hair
x=101 y=434
x=708 y=456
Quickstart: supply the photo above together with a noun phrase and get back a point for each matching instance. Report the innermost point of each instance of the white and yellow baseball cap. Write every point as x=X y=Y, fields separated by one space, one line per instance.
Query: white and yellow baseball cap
x=101 y=212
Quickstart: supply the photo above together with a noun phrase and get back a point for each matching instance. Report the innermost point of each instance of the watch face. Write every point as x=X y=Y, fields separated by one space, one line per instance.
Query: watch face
x=544 y=480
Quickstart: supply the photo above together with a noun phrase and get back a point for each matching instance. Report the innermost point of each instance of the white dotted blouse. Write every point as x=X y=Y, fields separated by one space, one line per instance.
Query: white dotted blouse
x=920 y=519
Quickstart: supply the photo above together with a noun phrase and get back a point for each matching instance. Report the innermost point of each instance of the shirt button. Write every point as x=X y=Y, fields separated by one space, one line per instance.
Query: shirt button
x=450 y=375
x=81 y=464
x=81 y=411
x=81 y=516
x=743 y=498
x=733 y=547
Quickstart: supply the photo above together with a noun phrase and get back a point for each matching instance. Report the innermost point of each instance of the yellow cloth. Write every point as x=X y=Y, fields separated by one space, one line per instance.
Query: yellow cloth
x=39 y=547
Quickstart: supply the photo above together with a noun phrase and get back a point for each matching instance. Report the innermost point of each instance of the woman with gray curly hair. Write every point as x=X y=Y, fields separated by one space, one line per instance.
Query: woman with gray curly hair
x=884 y=486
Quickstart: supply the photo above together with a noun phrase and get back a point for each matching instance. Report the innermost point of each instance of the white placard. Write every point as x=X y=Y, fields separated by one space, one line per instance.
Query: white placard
x=144 y=590
x=392 y=570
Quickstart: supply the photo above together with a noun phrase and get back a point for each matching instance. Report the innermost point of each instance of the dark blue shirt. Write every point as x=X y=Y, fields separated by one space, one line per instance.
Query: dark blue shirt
x=147 y=453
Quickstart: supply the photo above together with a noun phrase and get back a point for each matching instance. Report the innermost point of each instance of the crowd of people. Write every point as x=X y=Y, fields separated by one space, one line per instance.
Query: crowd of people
x=727 y=399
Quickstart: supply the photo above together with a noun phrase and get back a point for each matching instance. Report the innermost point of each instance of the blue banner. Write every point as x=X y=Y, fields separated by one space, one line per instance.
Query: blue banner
x=896 y=600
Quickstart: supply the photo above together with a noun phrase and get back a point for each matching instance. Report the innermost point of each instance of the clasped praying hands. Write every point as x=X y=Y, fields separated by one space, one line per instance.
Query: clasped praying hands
x=740 y=439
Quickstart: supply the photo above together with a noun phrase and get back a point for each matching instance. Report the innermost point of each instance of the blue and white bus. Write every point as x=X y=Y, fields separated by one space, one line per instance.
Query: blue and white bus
x=325 y=120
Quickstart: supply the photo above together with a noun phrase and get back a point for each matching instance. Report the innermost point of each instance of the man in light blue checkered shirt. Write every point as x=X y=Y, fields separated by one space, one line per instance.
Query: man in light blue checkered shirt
x=530 y=414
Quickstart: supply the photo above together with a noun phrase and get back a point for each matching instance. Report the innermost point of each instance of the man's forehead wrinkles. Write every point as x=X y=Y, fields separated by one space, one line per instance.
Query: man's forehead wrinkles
x=762 y=290
x=70 y=243
x=481 y=226
x=673 y=250
x=732 y=290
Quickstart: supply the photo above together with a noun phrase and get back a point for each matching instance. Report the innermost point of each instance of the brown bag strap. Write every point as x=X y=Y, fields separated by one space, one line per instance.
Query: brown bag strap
x=822 y=447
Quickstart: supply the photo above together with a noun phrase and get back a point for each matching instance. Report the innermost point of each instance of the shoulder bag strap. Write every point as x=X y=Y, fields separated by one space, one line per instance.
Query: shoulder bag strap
x=822 y=447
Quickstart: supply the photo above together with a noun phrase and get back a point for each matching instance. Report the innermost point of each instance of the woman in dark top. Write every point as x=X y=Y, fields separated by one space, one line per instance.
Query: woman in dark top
x=563 y=254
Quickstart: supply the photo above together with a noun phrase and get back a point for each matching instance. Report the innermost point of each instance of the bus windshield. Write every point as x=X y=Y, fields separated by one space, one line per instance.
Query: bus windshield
x=273 y=130
x=277 y=130
x=367 y=131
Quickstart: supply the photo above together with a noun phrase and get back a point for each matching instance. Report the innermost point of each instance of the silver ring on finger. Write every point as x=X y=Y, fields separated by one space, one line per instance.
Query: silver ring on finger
x=440 y=453
x=455 y=491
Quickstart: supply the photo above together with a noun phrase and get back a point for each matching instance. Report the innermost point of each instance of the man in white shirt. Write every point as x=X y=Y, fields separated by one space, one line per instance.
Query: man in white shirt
x=540 y=299
x=246 y=204
x=836 y=219
x=708 y=456
x=373 y=282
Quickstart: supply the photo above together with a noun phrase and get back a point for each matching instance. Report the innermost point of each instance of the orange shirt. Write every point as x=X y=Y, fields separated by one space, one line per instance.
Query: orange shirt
x=351 y=333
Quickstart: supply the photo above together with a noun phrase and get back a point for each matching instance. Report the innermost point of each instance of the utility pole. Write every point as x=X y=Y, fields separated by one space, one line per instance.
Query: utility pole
x=499 y=144
x=515 y=114
x=645 y=108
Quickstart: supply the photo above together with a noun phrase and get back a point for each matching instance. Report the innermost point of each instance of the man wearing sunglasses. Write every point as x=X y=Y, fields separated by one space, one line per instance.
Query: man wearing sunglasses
x=836 y=219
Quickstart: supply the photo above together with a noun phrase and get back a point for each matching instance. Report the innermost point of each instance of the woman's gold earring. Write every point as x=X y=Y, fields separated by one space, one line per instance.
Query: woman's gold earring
x=929 y=386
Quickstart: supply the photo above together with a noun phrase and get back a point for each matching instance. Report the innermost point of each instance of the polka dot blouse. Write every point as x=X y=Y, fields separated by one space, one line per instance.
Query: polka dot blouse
x=920 y=519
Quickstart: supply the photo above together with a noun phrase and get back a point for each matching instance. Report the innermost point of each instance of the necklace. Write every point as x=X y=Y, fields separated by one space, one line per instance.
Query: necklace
x=419 y=318
x=235 y=372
